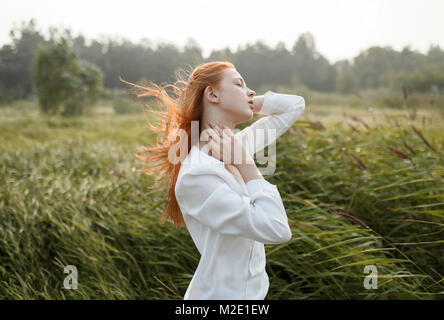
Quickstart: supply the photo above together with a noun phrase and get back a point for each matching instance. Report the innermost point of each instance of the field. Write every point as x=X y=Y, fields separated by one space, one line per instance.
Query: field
x=362 y=180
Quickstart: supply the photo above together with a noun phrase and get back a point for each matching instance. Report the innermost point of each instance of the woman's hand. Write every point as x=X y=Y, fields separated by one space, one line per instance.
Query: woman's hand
x=258 y=101
x=225 y=146
x=236 y=159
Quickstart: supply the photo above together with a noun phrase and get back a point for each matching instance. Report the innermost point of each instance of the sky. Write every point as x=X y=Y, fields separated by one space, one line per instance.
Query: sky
x=341 y=28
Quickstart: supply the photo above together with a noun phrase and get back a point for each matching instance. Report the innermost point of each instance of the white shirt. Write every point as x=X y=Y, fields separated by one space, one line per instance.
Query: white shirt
x=228 y=224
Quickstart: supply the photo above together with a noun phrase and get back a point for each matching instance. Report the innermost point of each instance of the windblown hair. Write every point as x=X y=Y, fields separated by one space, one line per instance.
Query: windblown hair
x=183 y=109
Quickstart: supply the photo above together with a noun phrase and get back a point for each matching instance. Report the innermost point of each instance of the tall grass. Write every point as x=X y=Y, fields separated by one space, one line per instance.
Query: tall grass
x=339 y=173
x=70 y=194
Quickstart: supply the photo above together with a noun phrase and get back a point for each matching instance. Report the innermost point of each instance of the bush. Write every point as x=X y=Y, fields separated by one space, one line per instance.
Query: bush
x=63 y=83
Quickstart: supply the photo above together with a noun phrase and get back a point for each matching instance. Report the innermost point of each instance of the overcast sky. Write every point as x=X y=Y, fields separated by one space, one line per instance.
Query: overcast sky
x=342 y=28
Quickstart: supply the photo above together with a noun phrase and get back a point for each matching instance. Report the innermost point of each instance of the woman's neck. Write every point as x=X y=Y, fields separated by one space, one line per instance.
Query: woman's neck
x=216 y=117
x=204 y=123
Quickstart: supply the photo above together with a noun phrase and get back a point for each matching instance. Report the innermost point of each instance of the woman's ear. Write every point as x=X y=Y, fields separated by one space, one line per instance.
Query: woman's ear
x=211 y=94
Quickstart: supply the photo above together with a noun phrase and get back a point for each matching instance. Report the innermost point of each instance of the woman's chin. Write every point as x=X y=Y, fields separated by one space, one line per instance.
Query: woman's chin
x=245 y=116
x=248 y=116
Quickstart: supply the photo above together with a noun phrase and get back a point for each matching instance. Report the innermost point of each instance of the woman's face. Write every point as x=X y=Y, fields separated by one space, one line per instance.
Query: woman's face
x=235 y=95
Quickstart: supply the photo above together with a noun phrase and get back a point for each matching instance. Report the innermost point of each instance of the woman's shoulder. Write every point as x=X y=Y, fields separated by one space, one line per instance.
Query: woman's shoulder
x=197 y=160
x=202 y=170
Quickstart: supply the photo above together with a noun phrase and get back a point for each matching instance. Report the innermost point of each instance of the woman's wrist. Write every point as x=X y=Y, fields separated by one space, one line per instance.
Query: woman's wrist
x=249 y=171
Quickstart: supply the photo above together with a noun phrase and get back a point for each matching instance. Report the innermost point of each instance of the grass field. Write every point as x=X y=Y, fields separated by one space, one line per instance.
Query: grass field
x=362 y=184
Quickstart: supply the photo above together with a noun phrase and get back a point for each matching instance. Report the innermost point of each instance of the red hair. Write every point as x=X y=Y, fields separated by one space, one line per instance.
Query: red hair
x=180 y=112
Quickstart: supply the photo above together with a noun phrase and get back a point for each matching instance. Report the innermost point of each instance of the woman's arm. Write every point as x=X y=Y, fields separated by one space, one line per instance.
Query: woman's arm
x=239 y=162
x=282 y=111
x=206 y=197
x=244 y=172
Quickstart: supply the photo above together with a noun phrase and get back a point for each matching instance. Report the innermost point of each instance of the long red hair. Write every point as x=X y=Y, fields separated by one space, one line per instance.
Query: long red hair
x=183 y=109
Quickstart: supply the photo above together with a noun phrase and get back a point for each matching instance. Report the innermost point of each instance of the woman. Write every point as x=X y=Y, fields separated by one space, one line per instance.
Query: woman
x=230 y=210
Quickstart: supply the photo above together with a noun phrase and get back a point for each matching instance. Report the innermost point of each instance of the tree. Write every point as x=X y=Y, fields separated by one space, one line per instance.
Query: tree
x=311 y=67
x=62 y=82
x=16 y=62
x=345 y=83
x=192 y=54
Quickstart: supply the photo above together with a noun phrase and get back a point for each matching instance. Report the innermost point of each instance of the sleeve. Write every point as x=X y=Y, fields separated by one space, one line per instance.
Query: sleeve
x=260 y=216
x=282 y=111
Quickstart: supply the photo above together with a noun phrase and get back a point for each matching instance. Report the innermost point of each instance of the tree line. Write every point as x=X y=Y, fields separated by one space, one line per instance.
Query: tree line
x=263 y=67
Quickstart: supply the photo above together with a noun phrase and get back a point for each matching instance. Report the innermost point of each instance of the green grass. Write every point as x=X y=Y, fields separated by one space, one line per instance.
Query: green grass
x=70 y=194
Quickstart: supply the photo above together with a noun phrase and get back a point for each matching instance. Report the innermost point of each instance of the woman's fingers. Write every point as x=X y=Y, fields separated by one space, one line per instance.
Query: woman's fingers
x=227 y=131
x=213 y=134
x=223 y=133
x=215 y=149
x=224 y=138
x=217 y=128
